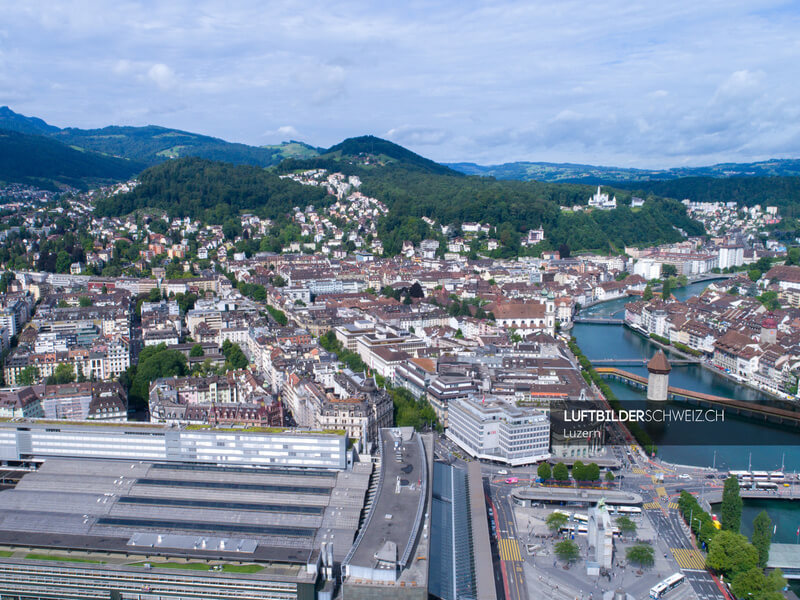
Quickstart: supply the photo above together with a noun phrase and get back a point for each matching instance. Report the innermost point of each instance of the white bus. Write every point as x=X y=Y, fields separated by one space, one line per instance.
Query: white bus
x=671 y=582
x=766 y=485
x=629 y=510
x=580 y=518
x=580 y=529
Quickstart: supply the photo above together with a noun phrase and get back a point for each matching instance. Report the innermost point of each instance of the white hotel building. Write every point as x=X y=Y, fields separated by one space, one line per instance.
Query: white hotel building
x=495 y=430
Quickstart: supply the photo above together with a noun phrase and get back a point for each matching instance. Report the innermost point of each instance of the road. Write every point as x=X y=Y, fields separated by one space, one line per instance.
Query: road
x=508 y=547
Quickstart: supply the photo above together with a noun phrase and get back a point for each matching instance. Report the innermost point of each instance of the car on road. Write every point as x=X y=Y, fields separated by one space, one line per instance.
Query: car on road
x=512 y=480
x=502 y=472
x=684 y=476
x=711 y=476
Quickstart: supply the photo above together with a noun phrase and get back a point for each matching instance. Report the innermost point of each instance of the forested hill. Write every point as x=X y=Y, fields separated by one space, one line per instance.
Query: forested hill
x=368 y=154
x=152 y=144
x=212 y=192
x=745 y=191
x=46 y=163
x=516 y=206
x=593 y=174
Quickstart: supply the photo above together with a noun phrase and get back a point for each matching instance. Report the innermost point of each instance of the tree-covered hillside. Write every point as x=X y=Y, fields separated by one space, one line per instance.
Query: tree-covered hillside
x=371 y=149
x=151 y=144
x=745 y=191
x=212 y=191
x=43 y=162
x=516 y=206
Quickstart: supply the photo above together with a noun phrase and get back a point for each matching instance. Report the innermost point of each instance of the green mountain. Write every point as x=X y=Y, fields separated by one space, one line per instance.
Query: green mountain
x=594 y=175
x=22 y=124
x=46 y=163
x=368 y=153
x=152 y=144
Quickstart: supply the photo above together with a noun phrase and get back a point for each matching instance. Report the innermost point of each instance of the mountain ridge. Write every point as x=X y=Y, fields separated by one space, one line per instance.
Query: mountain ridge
x=596 y=174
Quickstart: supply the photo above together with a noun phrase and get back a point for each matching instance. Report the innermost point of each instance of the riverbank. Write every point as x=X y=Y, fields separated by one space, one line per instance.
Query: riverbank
x=705 y=365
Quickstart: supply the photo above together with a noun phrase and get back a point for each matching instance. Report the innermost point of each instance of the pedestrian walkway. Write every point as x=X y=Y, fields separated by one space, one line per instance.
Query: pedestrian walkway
x=652 y=506
x=689 y=559
x=509 y=550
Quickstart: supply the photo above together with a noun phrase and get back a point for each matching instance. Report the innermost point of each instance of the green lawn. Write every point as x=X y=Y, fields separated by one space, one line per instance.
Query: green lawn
x=6 y=553
x=62 y=558
x=202 y=567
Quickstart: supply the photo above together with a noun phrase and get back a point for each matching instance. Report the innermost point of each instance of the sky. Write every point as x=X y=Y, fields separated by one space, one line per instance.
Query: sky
x=637 y=84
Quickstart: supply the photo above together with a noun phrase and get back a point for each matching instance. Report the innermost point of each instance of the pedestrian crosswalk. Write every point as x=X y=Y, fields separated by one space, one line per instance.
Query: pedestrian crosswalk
x=661 y=491
x=689 y=559
x=652 y=506
x=639 y=471
x=509 y=550
x=673 y=505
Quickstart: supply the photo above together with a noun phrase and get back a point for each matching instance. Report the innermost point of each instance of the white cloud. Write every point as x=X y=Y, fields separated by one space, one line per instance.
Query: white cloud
x=161 y=75
x=422 y=136
x=284 y=133
x=560 y=80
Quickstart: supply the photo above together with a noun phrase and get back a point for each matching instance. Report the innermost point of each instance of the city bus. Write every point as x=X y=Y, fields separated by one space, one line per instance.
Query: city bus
x=670 y=583
x=580 y=518
x=629 y=510
x=766 y=485
x=570 y=529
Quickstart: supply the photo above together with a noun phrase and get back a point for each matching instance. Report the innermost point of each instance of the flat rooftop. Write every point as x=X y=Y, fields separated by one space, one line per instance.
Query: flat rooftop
x=395 y=523
x=265 y=515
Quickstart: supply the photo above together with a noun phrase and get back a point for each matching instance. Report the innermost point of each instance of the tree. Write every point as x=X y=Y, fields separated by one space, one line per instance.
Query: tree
x=278 y=281
x=154 y=295
x=197 y=350
x=591 y=472
x=560 y=472
x=754 y=274
x=626 y=525
x=28 y=376
x=753 y=585
x=762 y=537
x=578 y=471
x=415 y=291
x=640 y=554
x=154 y=362
x=544 y=471
x=5 y=279
x=567 y=551
x=730 y=553
x=64 y=373
x=63 y=262
x=556 y=521
x=666 y=289
x=668 y=270
x=85 y=301
x=234 y=357
x=609 y=476
x=647 y=295
x=731 y=509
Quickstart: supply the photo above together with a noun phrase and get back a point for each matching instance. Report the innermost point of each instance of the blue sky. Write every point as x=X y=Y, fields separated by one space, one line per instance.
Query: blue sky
x=653 y=84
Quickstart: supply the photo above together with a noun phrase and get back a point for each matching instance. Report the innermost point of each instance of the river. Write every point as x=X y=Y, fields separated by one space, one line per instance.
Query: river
x=760 y=446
